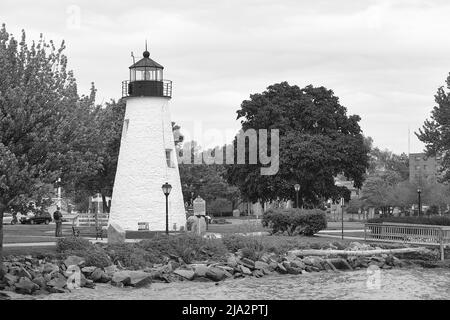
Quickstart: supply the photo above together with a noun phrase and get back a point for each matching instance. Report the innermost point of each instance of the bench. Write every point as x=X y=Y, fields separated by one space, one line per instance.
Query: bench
x=409 y=234
x=88 y=231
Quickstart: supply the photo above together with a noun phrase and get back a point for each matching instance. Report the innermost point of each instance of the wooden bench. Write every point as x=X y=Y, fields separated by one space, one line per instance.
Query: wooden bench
x=420 y=234
x=88 y=231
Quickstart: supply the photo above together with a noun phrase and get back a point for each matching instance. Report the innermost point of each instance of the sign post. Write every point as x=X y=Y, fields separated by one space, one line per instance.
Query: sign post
x=199 y=209
x=342 y=218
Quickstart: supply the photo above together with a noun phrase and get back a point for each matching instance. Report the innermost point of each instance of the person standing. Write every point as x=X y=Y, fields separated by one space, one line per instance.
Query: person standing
x=57 y=216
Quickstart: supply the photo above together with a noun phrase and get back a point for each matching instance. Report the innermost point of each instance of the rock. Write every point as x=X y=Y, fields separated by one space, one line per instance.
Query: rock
x=110 y=270
x=340 y=264
x=97 y=275
x=313 y=261
x=281 y=269
x=26 y=286
x=238 y=275
x=121 y=277
x=215 y=274
x=56 y=290
x=258 y=273
x=248 y=263
x=74 y=261
x=49 y=268
x=293 y=270
x=297 y=263
x=226 y=268
x=260 y=265
x=246 y=271
x=24 y=273
x=89 y=270
x=232 y=261
x=312 y=269
x=187 y=274
x=116 y=235
x=200 y=270
x=265 y=258
x=10 y=279
x=140 y=279
x=40 y=281
x=59 y=283
x=273 y=265
x=201 y=279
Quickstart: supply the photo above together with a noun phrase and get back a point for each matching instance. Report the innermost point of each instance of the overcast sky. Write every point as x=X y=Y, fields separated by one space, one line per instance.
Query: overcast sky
x=383 y=59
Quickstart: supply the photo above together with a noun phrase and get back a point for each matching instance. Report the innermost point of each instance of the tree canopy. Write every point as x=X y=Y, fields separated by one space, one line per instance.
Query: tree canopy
x=318 y=141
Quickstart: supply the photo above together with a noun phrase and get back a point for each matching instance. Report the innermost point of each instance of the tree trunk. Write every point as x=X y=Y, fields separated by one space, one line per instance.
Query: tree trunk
x=2 y=210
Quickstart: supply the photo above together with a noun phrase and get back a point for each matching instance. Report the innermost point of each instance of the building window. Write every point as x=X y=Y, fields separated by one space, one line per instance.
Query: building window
x=425 y=167
x=417 y=167
x=417 y=158
x=169 y=161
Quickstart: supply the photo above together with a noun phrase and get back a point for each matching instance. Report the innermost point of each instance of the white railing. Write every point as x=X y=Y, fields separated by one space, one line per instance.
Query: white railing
x=409 y=233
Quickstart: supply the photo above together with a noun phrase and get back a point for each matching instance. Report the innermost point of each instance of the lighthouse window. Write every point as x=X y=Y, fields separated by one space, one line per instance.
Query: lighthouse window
x=169 y=161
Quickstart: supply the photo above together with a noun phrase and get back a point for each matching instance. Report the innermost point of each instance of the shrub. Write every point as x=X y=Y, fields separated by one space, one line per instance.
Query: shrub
x=189 y=247
x=133 y=256
x=251 y=247
x=295 y=221
x=431 y=220
x=73 y=244
x=97 y=258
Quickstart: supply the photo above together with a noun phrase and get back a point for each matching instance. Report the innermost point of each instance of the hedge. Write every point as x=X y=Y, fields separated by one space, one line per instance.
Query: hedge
x=295 y=221
x=431 y=220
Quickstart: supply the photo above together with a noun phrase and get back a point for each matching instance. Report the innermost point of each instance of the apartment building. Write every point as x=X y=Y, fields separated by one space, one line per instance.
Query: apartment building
x=423 y=168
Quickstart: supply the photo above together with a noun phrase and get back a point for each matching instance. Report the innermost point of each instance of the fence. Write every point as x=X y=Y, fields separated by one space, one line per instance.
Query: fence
x=409 y=233
x=90 y=219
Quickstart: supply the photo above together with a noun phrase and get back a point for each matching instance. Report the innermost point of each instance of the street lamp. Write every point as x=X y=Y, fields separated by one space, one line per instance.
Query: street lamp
x=166 y=189
x=420 y=202
x=297 y=189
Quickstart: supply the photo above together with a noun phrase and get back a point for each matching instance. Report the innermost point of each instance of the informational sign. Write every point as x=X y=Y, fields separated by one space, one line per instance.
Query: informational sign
x=199 y=206
x=143 y=226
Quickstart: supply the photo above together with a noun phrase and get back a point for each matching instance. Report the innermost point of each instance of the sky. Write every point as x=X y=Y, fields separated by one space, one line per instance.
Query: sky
x=383 y=59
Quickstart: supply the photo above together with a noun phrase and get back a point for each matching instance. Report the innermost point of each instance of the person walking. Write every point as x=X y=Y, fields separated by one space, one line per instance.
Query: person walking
x=57 y=216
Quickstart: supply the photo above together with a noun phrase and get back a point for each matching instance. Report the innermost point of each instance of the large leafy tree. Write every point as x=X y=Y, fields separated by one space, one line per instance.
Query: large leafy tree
x=435 y=132
x=39 y=120
x=318 y=141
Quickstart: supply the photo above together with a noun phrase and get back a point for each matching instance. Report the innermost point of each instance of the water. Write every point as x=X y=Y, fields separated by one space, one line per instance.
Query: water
x=389 y=284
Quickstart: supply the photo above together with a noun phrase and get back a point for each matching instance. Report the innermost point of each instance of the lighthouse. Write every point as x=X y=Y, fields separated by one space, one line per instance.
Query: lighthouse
x=147 y=156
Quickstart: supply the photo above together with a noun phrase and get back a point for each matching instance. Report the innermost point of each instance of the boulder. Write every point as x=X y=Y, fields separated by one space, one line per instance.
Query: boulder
x=40 y=281
x=260 y=265
x=313 y=262
x=201 y=279
x=215 y=274
x=110 y=270
x=232 y=261
x=281 y=269
x=23 y=273
x=116 y=235
x=293 y=270
x=74 y=261
x=200 y=270
x=246 y=271
x=186 y=274
x=97 y=275
x=139 y=279
x=58 y=283
x=88 y=270
x=10 y=279
x=297 y=263
x=122 y=277
x=258 y=273
x=49 y=268
x=26 y=286
x=248 y=263
x=340 y=264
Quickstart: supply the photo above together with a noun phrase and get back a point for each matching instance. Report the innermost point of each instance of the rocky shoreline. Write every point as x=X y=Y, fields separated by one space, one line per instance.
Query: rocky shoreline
x=40 y=275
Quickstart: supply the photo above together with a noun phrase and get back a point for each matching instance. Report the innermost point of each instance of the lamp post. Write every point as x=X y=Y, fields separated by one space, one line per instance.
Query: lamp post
x=419 y=191
x=166 y=187
x=297 y=189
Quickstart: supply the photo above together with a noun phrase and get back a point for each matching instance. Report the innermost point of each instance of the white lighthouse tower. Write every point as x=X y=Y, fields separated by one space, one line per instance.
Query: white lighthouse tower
x=147 y=157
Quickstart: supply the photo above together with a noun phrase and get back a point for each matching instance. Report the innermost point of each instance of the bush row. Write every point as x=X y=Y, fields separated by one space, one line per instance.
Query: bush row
x=295 y=221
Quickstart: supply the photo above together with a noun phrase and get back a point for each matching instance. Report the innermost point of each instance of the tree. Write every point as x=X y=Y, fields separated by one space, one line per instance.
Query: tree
x=318 y=141
x=435 y=132
x=38 y=107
